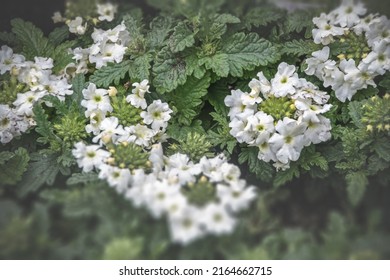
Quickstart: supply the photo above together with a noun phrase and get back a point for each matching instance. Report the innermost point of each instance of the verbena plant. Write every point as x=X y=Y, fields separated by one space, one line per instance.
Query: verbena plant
x=196 y=129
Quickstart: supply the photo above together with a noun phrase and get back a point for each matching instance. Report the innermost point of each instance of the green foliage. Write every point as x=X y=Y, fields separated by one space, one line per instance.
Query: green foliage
x=111 y=74
x=30 y=38
x=195 y=145
x=299 y=47
x=187 y=98
x=13 y=165
x=262 y=16
x=124 y=249
x=263 y=170
x=221 y=135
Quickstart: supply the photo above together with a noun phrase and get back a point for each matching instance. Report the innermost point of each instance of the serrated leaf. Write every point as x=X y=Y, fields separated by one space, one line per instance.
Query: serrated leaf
x=12 y=169
x=59 y=35
x=382 y=148
x=31 y=38
x=261 y=16
x=140 y=68
x=4 y=156
x=241 y=52
x=61 y=56
x=78 y=84
x=385 y=83
x=82 y=178
x=216 y=26
x=179 y=132
x=111 y=74
x=182 y=37
x=299 y=47
x=43 y=169
x=43 y=126
x=8 y=38
x=170 y=71
x=283 y=177
x=356 y=186
x=222 y=136
x=356 y=112
x=159 y=31
x=298 y=21
x=187 y=97
x=261 y=169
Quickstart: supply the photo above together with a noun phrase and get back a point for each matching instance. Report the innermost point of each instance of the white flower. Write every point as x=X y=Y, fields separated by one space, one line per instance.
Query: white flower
x=96 y=99
x=118 y=178
x=285 y=80
x=379 y=59
x=159 y=195
x=138 y=134
x=11 y=124
x=288 y=143
x=265 y=152
x=326 y=30
x=25 y=101
x=90 y=156
x=8 y=59
x=230 y=173
x=106 y=11
x=110 y=130
x=186 y=227
x=95 y=119
x=318 y=132
x=379 y=31
x=211 y=167
x=236 y=196
x=108 y=52
x=137 y=99
x=315 y=64
x=311 y=112
x=348 y=14
x=57 y=17
x=234 y=101
x=180 y=167
x=216 y=219
x=158 y=115
x=76 y=26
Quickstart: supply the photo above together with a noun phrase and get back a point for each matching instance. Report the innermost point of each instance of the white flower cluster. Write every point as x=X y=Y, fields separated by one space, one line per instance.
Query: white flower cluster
x=367 y=54
x=105 y=12
x=163 y=189
x=11 y=124
x=280 y=116
x=39 y=81
x=109 y=46
x=107 y=128
x=163 y=192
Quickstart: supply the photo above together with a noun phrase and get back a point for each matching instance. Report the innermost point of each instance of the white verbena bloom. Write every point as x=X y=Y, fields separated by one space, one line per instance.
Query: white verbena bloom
x=157 y=114
x=137 y=99
x=106 y=11
x=89 y=156
x=285 y=80
x=216 y=219
x=76 y=26
x=237 y=196
x=96 y=99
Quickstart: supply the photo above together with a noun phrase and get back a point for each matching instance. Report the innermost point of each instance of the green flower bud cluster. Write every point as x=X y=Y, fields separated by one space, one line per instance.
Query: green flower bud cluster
x=129 y=155
x=9 y=89
x=354 y=47
x=376 y=114
x=195 y=146
x=126 y=113
x=201 y=192
x=278 y=107
x=71 y=128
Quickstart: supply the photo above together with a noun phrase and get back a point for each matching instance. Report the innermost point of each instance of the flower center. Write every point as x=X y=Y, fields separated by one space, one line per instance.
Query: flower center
x=278 y=108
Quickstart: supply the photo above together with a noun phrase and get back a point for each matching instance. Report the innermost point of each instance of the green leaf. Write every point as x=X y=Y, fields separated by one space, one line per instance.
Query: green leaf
x=13 y=165
x=8 y=38
x=43 y=169
x=59 y=35
x=182 y=37
x=111 y=74
x=159 y=31
x=310 y=158
x=357 y=183
x=31 y=38
x=241 y=52
x=356 y=112
x=282 y=177
x=213 y=28
x=217 y=93
x=43 y=127
x=298 y=21
x=188 y=97
x=222 y=137
x=78 y=84
x=385 y=83
x=382 y=148
x=61 y=56
x=262 y=16
x=299 y=47
x=179 y=132
x=170 y=71
x=82 y=178
x=261 y=169
x=140 y=68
